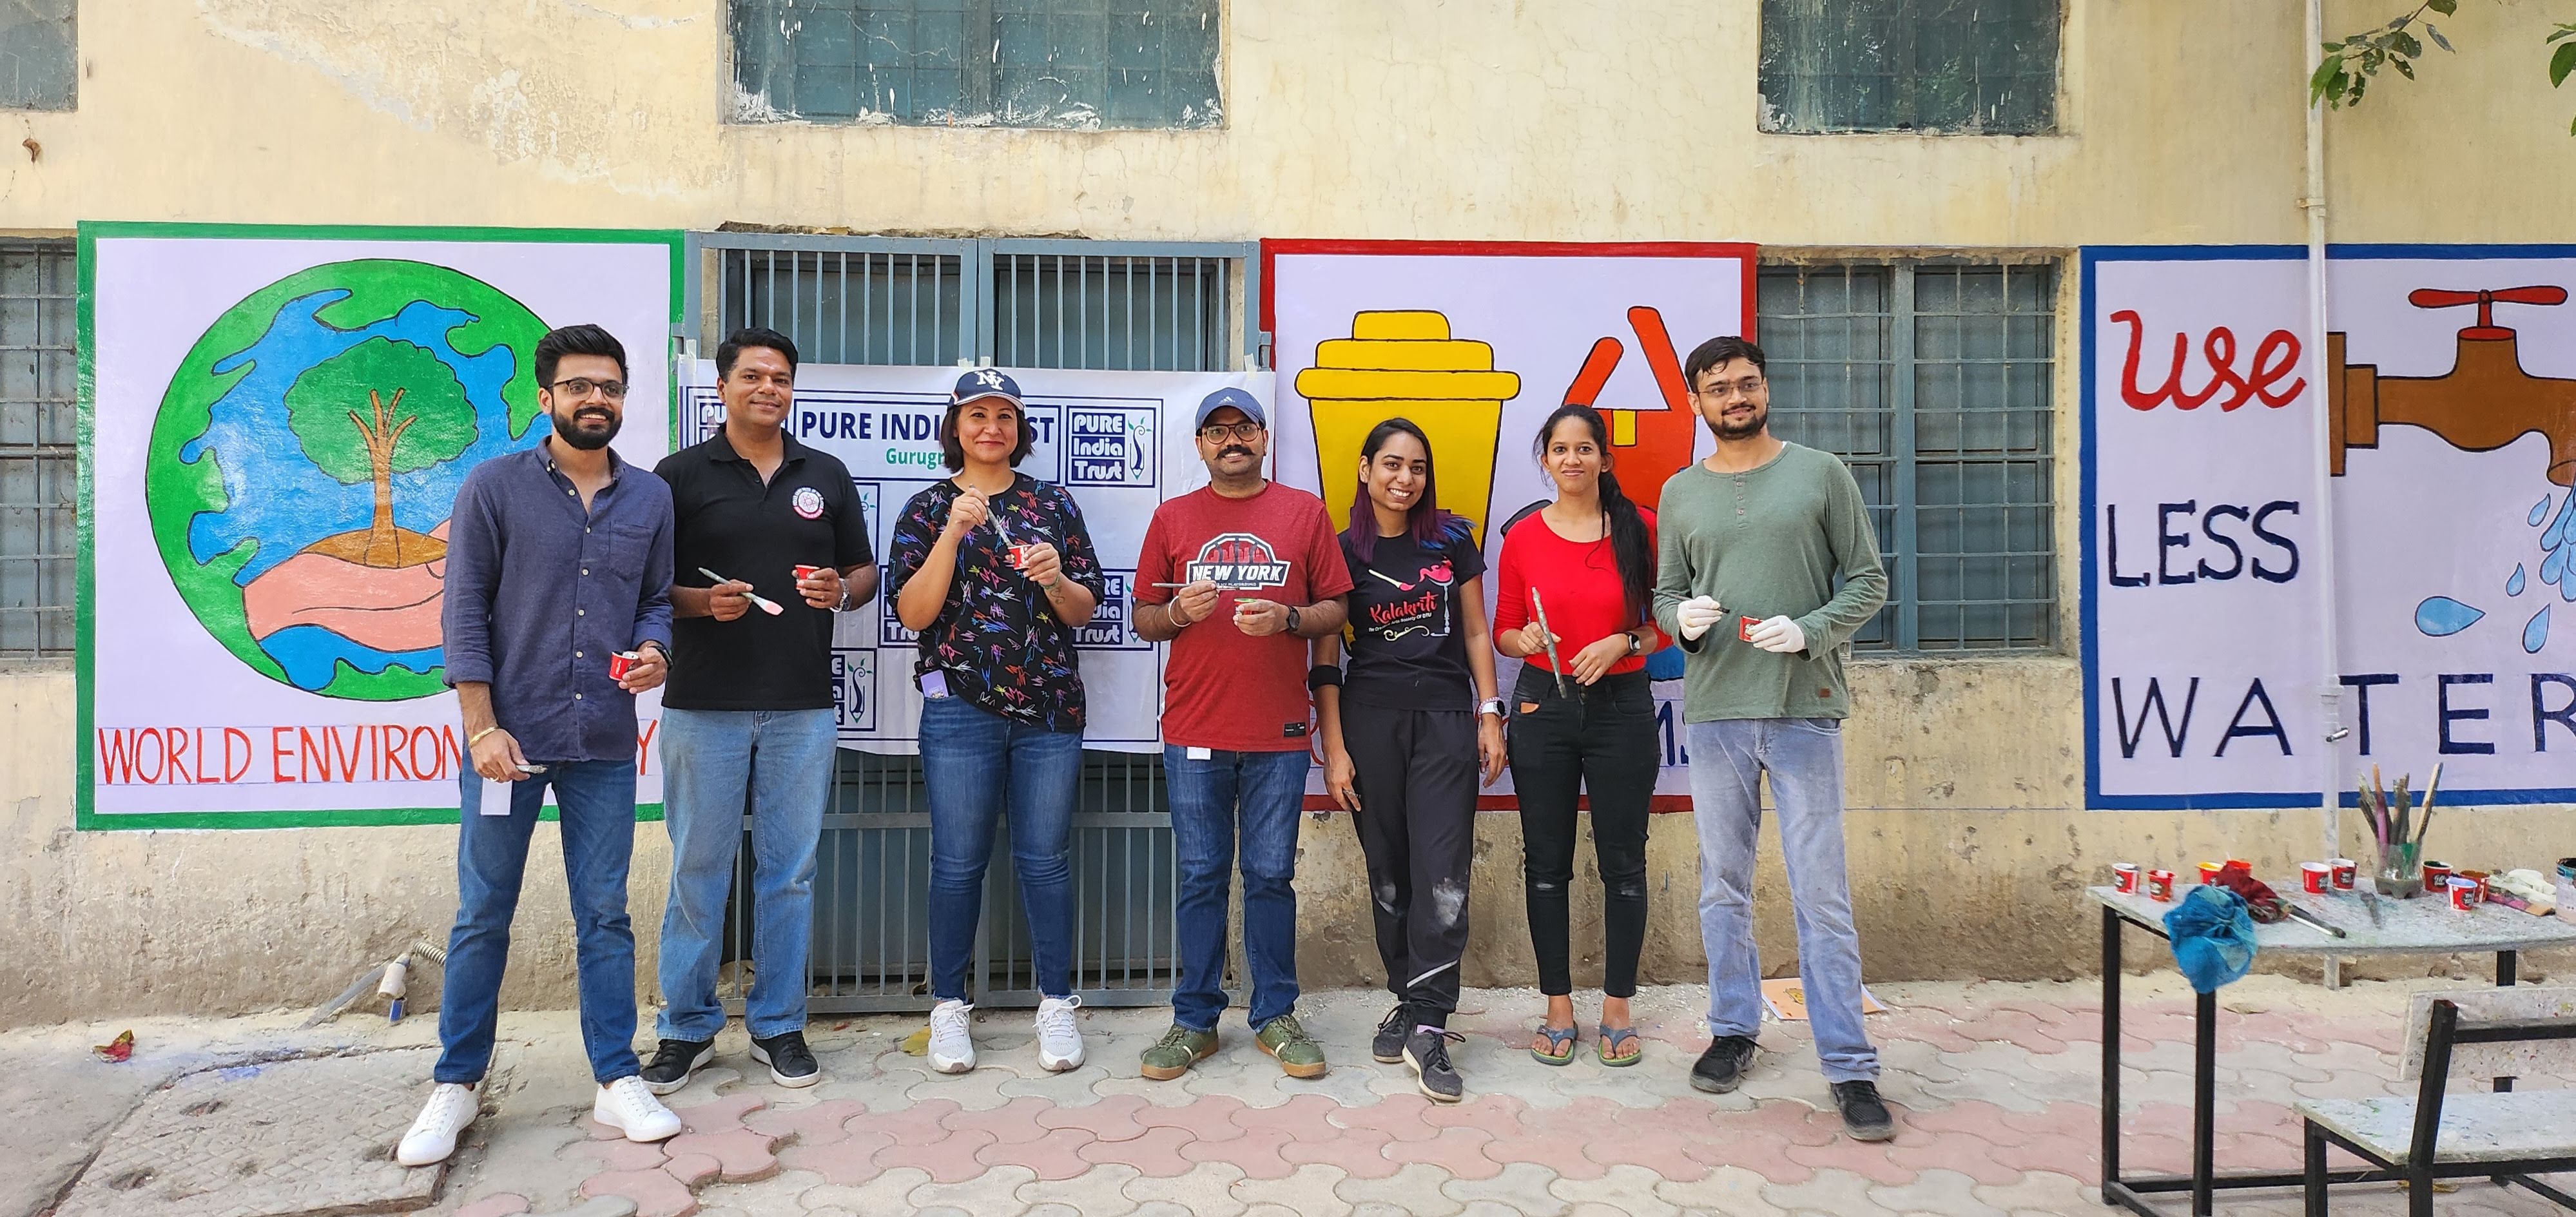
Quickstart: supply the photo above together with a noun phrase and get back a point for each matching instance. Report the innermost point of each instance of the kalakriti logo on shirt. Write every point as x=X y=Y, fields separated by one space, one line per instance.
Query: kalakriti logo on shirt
x=1239 y=561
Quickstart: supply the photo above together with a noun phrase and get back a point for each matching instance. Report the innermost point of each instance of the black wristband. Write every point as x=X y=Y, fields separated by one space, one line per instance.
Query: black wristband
x=1323 y=674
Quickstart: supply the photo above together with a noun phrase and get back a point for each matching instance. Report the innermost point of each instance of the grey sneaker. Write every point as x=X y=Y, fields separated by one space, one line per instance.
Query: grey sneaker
x=1392 y=1031
x=1428 y=1054
x=1865 y=1115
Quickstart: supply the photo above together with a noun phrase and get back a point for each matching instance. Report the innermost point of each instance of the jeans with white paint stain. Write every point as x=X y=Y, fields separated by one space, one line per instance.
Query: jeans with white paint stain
x=1804 y=758
x=1415 y=771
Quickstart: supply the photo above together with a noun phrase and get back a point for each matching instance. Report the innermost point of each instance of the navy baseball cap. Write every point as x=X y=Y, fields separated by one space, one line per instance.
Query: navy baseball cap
x=985 y=382
x=1237 y=398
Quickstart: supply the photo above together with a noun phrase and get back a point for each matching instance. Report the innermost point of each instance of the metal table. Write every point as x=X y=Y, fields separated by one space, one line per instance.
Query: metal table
x=2421 y=926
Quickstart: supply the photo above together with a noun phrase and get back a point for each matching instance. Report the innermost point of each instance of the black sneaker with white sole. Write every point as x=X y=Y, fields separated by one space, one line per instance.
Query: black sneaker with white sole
x=675 y=1062
x=1392 y=1031
x=1427 y=1052
x=790 y=1062
x=1865 y=1115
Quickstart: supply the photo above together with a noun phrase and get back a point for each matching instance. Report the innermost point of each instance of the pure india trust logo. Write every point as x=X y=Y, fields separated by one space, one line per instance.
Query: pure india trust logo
x=306 y=456
x=1239 y=561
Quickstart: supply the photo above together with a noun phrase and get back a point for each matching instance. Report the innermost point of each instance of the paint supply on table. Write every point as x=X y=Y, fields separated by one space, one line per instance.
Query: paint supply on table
x=2436 y=876
x=2478 y=877
x=2124 y=878
x=2567 y=888
x=2345 y=872
x=2160 y=885
x=2312 y=921
x=2209 y=871
x=2464 y=893
x=2315 y=878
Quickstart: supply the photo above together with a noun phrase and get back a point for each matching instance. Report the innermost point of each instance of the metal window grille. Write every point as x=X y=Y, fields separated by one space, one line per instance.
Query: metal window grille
x=38 y=53
x=1019 y=303
x=1933 y=381
x=1975 y=67
x=39 y=449
x=1011 y=63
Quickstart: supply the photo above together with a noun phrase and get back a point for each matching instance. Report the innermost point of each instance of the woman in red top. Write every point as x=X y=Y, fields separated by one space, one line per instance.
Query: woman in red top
x=1582 y=715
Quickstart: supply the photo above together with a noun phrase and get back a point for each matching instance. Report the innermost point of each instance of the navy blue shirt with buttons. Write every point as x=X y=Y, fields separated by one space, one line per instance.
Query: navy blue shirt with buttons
x=540 y=593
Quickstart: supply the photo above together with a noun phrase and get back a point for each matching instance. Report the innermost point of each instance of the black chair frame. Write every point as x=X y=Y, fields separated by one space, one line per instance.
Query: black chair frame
x=2420 y=1170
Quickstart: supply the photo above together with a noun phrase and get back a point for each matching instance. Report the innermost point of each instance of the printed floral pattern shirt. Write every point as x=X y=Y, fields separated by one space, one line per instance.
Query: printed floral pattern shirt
x=997 y=642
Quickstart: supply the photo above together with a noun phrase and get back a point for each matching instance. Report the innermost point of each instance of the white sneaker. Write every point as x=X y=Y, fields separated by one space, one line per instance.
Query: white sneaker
x=628 y=1106
x=433 y=1136
x=952 y=1049
x=1059 y=1040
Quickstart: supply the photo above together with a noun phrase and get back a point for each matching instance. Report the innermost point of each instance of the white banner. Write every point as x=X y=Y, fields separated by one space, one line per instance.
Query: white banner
x=1120 y=441
x=260 y=636
x=2452 y=417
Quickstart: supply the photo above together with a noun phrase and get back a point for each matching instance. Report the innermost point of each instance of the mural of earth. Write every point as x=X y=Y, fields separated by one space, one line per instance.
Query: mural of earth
x=307 y=453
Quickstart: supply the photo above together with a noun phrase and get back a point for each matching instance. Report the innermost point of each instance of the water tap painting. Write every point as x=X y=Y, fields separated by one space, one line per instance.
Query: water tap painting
x=2448 y=442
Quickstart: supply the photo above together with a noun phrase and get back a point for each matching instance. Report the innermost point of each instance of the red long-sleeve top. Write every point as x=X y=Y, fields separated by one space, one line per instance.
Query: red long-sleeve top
x=1579 y=581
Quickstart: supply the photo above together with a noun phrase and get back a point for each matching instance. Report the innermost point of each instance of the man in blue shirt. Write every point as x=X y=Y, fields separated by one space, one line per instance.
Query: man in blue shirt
x=558 y=565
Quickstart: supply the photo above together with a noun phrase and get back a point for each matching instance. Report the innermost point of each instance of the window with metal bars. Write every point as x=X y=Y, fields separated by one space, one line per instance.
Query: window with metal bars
x=1966 y=67
x=1934 y=382
x=1011 y=63
x=39 y=449
x=38 y=45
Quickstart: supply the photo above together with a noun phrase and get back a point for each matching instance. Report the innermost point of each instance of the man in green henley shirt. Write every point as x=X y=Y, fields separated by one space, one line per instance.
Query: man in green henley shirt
x=1767 y=566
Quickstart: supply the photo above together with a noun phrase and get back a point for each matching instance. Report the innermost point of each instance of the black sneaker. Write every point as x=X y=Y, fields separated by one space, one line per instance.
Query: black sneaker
x=1427 y=1052
x=1865 y=1116
x=790 y=1062
x=1721 y=1068
x=675 y=1062
x=1392 y=1032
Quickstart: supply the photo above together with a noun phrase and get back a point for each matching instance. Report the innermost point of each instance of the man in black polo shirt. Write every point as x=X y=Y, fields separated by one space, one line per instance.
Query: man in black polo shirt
x=770 y=544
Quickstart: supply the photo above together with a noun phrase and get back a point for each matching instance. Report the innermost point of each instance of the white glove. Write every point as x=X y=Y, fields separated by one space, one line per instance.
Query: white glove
x=1697 y=614
x=1779 y=634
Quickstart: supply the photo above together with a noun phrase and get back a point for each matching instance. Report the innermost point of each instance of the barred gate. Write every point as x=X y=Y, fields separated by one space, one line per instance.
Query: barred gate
x=1020 y=304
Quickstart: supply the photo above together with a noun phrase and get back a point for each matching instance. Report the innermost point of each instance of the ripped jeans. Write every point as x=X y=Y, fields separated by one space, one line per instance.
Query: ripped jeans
x=1415 y=771
x=1600 y=742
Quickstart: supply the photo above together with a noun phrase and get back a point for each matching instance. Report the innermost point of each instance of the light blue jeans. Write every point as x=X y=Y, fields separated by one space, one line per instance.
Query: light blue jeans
x=1804 y=757
x=712 y=761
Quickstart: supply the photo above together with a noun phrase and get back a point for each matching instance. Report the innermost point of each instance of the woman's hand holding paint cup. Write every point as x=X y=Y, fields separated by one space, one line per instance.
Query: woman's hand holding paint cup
x=820 y=585
x=1039 y=561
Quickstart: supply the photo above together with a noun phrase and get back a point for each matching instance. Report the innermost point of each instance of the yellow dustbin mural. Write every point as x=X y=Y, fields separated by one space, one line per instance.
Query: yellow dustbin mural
x=1403 y=362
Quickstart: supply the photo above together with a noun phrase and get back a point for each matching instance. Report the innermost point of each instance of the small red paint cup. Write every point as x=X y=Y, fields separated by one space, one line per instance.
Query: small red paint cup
x=2435 y=875
x=2346 y=873
x=2209 y=871
x=1744 y=627
x=2478 y=877
x=1020 y=556
x=2160 y=885
x=806 y=572
x=2315 y=877
x=2124 y=878
x=622 y=662
x=2464 y=894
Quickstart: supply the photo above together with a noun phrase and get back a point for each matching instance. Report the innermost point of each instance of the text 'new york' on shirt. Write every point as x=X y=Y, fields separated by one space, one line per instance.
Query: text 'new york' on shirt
x=732 y=523
x=997 y=642
x=1222 y=688
x=1408 y=640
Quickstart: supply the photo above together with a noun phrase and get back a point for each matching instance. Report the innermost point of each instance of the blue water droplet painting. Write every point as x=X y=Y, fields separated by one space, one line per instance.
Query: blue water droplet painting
x=2535 y=635
x=2540 y=511
x=2513 y=586
x=2441 y=616
x=2558 y=527
x=2553 y=566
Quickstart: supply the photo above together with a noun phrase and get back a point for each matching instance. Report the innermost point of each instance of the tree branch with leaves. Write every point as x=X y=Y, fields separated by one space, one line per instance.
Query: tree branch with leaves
x=2343 y=76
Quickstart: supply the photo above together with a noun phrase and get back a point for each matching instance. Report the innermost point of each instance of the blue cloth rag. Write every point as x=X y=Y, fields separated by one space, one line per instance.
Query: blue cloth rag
x=2212 y=936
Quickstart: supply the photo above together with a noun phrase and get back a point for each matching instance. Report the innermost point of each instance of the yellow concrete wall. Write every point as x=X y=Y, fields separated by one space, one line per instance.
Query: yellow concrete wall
x=1472 y=119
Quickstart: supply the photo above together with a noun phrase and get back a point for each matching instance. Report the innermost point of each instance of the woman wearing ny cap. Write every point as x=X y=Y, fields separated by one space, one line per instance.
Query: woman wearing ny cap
x=995 y=571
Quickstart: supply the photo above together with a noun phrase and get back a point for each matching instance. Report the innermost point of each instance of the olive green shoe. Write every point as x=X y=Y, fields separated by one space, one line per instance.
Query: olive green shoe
x=1298 y=1053
x=1180 y=1048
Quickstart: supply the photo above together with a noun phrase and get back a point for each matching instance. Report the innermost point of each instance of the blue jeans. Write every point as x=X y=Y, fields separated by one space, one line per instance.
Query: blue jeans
x=1804 y=757
x=1261 y=793
x=979 y=766
x=712 y=760
x=598 y=817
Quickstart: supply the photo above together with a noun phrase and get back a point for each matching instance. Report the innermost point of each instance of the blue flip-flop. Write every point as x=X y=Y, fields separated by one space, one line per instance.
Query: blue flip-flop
x=1612 y=1037
x=1561 y=1041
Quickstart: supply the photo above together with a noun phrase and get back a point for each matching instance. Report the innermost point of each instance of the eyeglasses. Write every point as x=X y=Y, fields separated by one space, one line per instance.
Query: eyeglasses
x=1216 y=433
x=1722 y=390
x=580 y=386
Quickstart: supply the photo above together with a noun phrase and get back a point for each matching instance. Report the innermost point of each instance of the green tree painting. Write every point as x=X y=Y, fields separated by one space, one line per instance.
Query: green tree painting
x=382 y=407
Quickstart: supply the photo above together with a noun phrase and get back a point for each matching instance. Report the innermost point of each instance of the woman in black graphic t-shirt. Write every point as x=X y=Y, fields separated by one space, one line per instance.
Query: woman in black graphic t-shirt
x=1404 y=752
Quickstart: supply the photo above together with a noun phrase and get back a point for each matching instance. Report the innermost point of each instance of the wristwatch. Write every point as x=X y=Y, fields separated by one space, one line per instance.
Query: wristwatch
x=1491 y=705
x=1292 y=619
x=1636 y=645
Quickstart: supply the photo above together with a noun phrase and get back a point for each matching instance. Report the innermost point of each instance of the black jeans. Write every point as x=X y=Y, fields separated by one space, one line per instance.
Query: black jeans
x=1601 y=740
x=1416 y=771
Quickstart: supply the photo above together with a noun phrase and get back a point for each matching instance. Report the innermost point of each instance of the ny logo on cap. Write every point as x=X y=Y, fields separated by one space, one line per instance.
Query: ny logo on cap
x=989 y=378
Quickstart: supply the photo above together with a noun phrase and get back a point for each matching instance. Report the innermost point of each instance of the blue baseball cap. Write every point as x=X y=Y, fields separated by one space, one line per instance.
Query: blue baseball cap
x=985 y=382
x=1237 y=398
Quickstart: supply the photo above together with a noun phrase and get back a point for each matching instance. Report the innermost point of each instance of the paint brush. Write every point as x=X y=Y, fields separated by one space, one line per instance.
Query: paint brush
x=2431 y=788
x=2307 y=918
x=765 y=604
x=1539 y=611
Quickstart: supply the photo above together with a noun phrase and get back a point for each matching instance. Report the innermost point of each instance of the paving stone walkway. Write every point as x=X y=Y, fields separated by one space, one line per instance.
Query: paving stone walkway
x=1995 y=1086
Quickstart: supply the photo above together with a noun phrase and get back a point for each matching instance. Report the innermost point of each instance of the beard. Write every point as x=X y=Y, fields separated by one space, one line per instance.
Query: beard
x=570 y=429
x=1746 y=430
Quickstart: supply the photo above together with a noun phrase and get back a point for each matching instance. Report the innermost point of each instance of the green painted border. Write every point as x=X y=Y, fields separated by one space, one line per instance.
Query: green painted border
x=85 y=814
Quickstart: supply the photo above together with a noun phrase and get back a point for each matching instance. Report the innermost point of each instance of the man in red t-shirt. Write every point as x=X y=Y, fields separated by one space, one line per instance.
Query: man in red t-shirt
x=1237 y=577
